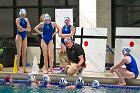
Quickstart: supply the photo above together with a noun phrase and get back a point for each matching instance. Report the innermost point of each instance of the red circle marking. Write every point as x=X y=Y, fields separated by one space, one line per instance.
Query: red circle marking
x=86 y=43
x=131 y=44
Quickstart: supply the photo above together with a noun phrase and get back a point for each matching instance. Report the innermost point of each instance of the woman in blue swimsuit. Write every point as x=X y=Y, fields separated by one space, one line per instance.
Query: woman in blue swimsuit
x=131 y=70
x=47 y=40
x=23 y=26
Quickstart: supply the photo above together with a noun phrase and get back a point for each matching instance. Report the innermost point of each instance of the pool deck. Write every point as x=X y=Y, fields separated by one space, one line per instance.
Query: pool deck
x=103 y=78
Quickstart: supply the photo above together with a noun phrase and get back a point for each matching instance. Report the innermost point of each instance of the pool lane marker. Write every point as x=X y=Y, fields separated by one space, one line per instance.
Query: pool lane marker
x=69 y=83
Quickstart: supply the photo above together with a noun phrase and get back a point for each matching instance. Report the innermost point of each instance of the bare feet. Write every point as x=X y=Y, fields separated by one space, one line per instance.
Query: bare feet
x=19 y=71
x=25 y=71
x=45 y=72
x=121 y=84
x=51 y=72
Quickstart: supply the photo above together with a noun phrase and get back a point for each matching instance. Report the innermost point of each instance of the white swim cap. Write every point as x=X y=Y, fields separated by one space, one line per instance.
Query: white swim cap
x=22 y=11
x=63 y=82
x=95 y=84
x=66 y=18
x=79 y=81
x=47 y=17
x=126 y=50
x=31 y=77
x=46 y=78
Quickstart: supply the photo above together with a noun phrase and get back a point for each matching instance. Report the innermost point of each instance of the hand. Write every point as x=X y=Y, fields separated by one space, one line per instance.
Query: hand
x=63 y=49
x=41 y=33
x=53 y=35
x=111 y=70
x=21 y=29
x=76 y=66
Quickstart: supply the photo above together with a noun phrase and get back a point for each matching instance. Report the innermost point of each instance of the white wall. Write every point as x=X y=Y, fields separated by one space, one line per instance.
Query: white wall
x=95 y=52
x=120 y=43
x=87 y=13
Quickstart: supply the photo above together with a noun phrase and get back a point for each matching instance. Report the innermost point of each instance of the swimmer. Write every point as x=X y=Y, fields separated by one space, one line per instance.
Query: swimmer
x=8 y=78
x=46 y=82
x=33 y=82
x=47 y=40
x=23 y=26
x=78 y=84
x=131 y=70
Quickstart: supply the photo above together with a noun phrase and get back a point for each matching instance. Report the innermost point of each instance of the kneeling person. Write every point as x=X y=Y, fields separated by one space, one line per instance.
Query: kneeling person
x=74 y=56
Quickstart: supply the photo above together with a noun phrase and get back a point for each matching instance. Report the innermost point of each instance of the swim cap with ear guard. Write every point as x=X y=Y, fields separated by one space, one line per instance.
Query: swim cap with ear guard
x=22 y=11
x=47 y=17
x=126 y=51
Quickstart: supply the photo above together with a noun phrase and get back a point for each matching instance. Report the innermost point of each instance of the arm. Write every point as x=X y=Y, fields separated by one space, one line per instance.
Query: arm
x=28 y=26
x=123 y=61
x=81 y=60
x=57 y=27
x=39 y=26
x=67 y=35
x=18 y=25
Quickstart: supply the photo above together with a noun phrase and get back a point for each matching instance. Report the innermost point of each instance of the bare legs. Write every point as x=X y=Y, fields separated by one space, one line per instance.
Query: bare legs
x=45 y=54
x=24 y=48
x=51 y=55
x=48 y=51
x=121 y=72
x=21 y=45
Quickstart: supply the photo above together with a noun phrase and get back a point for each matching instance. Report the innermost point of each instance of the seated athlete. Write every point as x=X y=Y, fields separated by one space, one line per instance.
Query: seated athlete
x=131 y=70
x=8 y=78
x=47 y=45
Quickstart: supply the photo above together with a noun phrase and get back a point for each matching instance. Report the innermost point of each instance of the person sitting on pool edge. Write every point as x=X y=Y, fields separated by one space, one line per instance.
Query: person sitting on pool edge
x=74 y=56
x=131 y=70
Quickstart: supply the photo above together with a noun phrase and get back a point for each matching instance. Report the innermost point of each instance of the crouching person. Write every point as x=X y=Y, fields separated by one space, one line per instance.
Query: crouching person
x=74 y=56
x=131 y=70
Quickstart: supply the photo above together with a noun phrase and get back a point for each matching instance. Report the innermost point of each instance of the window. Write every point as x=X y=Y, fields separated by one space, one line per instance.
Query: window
x=127 y=13
x=6 y=23
x=6 y=2
x=27 y=2
x=50 y=11
x=73 y=2
x=53 y=2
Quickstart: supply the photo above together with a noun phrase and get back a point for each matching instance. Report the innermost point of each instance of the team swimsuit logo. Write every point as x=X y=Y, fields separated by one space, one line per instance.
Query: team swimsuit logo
x=66 y=29
x=23 y=22
x=47 y=27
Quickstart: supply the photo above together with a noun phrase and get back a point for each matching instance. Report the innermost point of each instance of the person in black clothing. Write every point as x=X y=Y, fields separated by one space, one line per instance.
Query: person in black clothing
x=40 y=37
x=75 y=57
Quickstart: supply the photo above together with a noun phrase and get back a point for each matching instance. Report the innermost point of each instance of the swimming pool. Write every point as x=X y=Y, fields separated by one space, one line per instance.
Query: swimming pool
x=22 y=88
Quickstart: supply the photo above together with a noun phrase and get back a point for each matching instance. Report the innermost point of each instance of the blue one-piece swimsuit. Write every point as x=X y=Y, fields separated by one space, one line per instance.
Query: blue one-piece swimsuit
x=23 y=24
x=65 y=30
x=132 y=66
x=47 y=32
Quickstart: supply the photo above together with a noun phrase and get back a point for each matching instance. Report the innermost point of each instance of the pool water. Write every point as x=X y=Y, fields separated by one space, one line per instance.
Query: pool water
x=18 y=88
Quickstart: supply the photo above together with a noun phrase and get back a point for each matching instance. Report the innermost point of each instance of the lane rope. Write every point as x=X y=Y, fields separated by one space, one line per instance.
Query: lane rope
x=70 y=83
